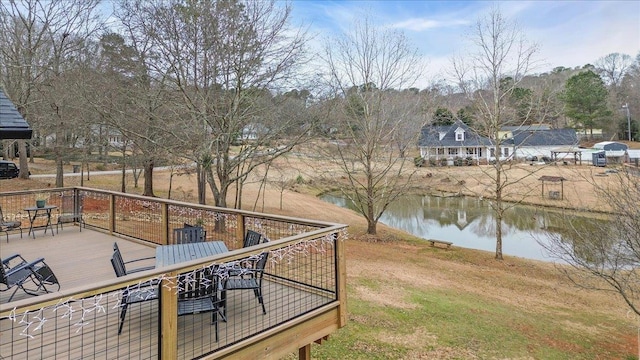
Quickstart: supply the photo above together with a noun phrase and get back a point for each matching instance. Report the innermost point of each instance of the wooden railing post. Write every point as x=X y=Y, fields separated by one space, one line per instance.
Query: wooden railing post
x=168 y=312
x=341 y=278
x=240 y=230
x=112 y=214
x=164 y=208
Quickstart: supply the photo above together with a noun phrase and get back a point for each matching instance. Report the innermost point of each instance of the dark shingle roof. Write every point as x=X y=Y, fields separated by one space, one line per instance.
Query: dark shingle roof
x=12 y=124
x=526 y=127
x=555 y=137
x=430 y=136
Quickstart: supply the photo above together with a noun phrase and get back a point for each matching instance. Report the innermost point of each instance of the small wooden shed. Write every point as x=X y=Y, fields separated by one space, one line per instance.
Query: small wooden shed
x=554 y=194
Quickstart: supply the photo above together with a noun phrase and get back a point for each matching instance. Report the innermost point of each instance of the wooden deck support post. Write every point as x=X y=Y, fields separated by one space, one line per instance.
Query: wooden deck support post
x=168 y=337
x=304 y=353
x=341 y=270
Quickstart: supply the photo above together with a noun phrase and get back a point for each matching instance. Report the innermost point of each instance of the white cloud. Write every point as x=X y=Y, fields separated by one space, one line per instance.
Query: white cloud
x=420 y=24
x=569 y=33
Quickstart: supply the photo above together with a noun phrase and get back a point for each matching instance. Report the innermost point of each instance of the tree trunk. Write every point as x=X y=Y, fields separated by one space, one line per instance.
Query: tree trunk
x=371 y=227
x=58 y=156
x=498 y=210
x=170 y=183
x=219 y=196
x=24 y=163
x=372 y=224
x=202 y=184
x=31 y=153
x=123 y=187
x=148 y=178
x=123 y=178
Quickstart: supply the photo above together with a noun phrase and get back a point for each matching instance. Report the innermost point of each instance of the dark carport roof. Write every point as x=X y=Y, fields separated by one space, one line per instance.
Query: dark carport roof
x=12 y=124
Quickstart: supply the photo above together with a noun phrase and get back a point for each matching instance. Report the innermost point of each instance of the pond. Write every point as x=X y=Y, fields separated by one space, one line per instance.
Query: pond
x=469 y=222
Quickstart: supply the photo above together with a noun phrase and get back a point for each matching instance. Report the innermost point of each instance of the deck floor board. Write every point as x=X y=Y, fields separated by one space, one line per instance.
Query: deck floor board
x=90 y=260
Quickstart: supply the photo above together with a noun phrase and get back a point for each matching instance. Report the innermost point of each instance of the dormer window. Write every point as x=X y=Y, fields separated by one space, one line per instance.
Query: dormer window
x=459 y=134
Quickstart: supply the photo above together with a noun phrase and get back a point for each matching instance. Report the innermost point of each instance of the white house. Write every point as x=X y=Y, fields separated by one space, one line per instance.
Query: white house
x=451 y=142
x=459 y=141
x=253 y=131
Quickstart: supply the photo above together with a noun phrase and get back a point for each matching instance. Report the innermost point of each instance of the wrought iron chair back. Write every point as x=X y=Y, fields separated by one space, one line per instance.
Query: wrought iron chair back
x=6 y=225
x=252 y=238
x=198 y=293
x=187 y=235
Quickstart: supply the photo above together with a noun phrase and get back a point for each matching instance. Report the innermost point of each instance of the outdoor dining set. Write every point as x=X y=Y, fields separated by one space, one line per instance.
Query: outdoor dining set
x=201 y=291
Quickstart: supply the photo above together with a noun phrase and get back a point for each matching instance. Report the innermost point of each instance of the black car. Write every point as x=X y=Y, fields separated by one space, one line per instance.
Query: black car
x=8 y=170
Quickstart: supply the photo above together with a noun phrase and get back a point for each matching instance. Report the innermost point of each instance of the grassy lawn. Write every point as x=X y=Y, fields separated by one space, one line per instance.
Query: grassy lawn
x=408 y=300
x=395 y=314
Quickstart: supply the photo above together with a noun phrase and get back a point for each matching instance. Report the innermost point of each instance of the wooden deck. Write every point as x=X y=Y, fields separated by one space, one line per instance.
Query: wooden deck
x=77 y=257
x=81 y=258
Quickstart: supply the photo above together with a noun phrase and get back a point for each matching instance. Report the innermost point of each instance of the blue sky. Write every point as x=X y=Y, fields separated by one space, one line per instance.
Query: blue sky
x=569 y=33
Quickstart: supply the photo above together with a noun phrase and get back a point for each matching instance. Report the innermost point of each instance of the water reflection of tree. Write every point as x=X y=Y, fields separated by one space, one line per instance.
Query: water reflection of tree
x=475 y=215
x=605 y=250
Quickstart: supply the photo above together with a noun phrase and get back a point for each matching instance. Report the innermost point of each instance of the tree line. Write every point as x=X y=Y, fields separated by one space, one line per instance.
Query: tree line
x=231 y=85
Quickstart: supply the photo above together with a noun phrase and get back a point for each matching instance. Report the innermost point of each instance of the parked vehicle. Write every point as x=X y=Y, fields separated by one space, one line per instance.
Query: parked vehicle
x=8 y=170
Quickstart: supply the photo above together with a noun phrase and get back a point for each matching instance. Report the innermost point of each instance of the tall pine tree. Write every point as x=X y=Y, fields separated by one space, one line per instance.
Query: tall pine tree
x=585 y=99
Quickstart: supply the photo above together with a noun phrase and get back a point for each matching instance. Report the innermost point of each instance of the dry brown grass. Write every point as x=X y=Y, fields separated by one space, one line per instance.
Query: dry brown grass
x=531 y=285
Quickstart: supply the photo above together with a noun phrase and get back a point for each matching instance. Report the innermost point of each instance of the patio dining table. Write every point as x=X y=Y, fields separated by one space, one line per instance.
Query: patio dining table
x=173 y=254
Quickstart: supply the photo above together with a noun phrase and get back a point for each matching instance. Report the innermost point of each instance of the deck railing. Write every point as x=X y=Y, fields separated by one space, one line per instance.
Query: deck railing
x=304 y=287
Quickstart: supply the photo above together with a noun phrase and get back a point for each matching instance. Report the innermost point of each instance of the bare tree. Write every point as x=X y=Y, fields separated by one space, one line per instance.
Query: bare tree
x=222 y=59
x=137 y=105
x=39 y=42
x=613 y=67
x=606 y=249
x=366 y=70
x=630 y=93
x=489 y=75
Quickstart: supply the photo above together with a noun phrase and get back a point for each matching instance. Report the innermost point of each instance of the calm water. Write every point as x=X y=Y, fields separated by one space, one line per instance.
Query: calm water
x=469 y=222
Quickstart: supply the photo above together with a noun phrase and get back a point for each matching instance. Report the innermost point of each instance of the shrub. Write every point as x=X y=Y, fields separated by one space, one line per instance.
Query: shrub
x=469 y=161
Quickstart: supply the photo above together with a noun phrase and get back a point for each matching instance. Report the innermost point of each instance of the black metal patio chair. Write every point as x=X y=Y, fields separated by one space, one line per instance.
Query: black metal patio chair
x=248 y=279
x=7 y=225
x=188 y=235
x=198 y=293
x=70 y=211
x=118 y=262
x=34 y=278
x=251 y=238
x=146 y=291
